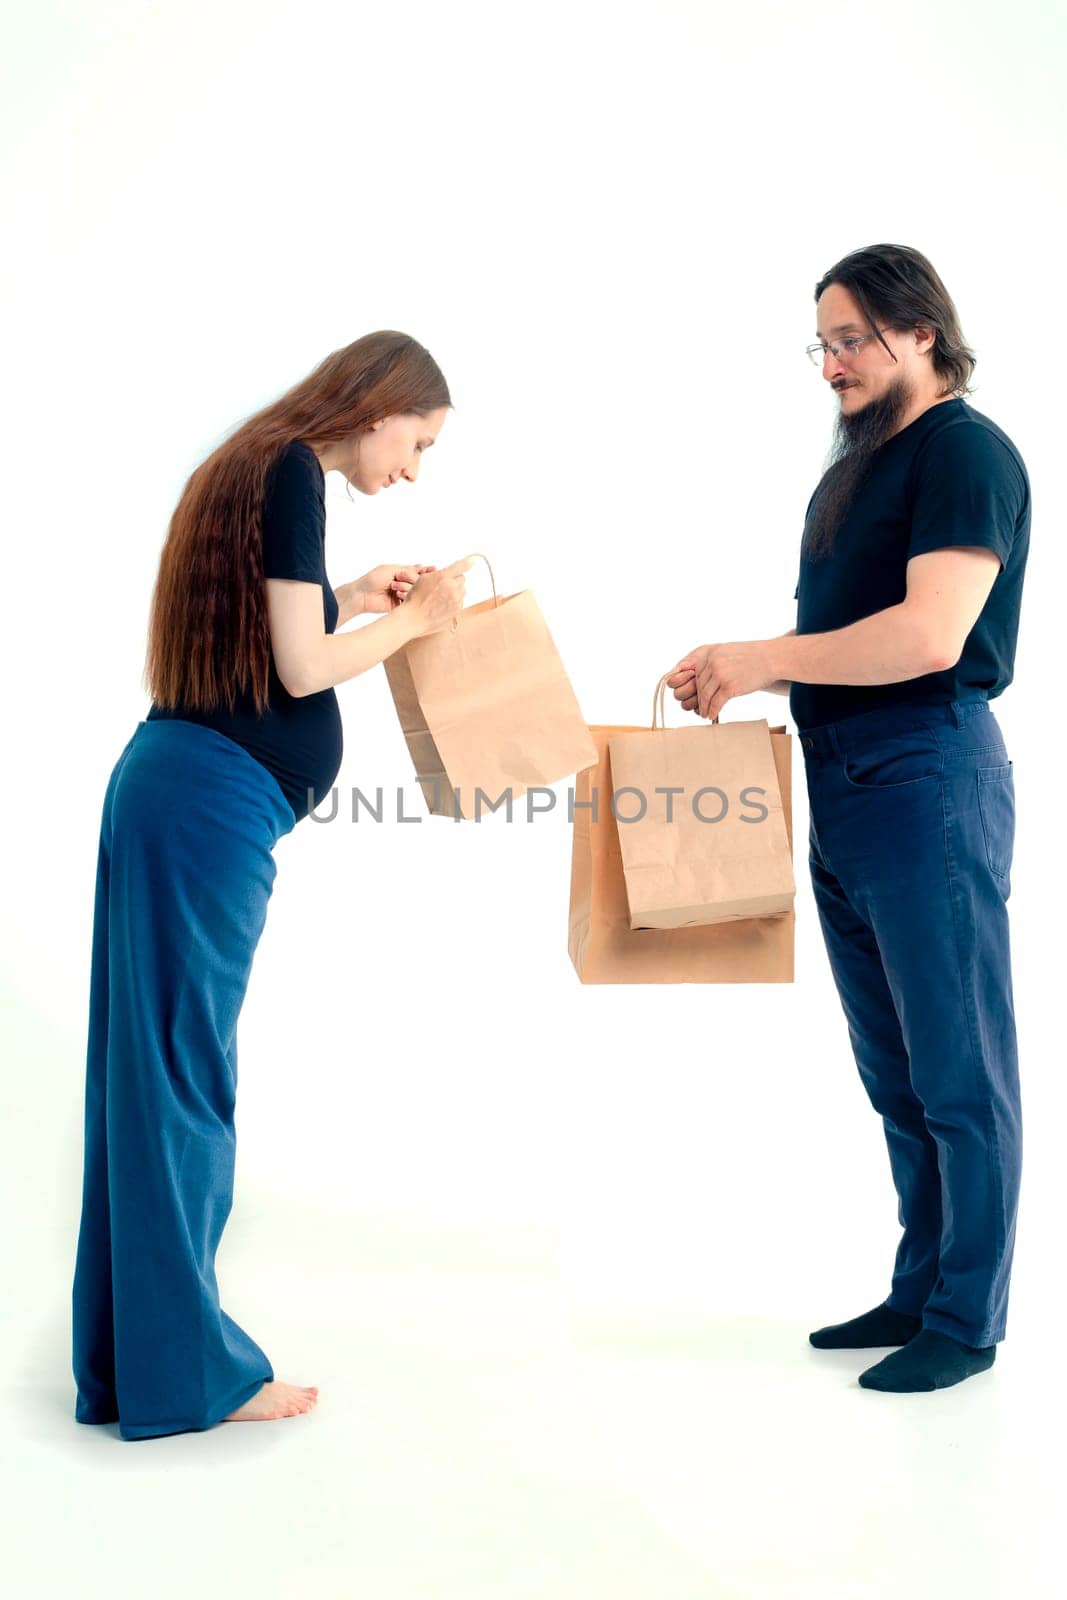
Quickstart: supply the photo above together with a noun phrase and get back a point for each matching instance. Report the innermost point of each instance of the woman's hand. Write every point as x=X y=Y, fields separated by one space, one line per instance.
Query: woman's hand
x=384 y=588
x=437 y=596
x=709 y=676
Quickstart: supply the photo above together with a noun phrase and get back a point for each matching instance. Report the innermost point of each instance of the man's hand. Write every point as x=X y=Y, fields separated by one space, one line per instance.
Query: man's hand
x=705 y=679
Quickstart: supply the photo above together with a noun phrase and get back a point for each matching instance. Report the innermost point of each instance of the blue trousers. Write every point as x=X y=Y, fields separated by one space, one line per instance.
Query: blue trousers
x=184 y=874
x=912 y=813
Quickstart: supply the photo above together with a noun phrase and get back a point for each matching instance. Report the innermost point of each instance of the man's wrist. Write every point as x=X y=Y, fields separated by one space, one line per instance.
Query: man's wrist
x=780 y=657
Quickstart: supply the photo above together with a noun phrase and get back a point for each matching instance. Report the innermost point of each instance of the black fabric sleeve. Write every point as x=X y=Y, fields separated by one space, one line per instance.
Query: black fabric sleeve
x=294 y=519
x=967 y=490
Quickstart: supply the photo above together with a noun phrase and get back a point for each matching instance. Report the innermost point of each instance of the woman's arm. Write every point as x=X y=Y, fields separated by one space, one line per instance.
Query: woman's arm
x=309 y=659
x=349 y=597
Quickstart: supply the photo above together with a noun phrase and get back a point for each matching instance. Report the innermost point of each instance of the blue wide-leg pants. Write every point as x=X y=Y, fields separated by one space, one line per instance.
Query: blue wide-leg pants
x=184 y=874
x=912 y=824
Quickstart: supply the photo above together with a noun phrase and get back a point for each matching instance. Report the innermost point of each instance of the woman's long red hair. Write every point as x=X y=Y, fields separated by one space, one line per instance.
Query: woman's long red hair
x=208 y=638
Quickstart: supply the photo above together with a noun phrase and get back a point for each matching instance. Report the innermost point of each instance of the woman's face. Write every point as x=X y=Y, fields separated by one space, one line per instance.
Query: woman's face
x=392 y=449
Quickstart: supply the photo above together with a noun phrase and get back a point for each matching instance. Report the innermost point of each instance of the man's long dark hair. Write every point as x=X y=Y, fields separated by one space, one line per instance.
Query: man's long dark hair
x=896 y=287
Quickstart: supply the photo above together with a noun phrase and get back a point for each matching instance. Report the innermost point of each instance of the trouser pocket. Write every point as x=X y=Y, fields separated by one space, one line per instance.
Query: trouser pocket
x=996 y=805
x=895 y=761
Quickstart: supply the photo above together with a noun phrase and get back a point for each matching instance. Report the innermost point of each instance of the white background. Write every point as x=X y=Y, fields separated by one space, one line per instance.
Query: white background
x=606 y=223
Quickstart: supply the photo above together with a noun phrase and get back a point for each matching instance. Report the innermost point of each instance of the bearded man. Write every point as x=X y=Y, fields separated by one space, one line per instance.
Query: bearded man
x=911 y=572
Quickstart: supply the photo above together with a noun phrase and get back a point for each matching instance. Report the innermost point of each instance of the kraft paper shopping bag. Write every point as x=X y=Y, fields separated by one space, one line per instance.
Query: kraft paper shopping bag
x=487 y=708
x=701 y=830
x=602 y=945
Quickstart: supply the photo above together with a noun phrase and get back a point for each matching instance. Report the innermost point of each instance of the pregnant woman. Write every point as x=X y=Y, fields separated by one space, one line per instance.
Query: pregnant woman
x=242 y=738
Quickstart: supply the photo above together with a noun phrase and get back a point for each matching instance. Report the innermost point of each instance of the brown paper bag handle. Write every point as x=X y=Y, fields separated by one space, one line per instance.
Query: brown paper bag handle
x=657 y=703
x=496 y=598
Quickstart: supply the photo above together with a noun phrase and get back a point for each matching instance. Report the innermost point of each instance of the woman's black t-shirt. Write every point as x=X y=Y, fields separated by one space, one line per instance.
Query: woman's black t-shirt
x=299 y=740
x=951 y=477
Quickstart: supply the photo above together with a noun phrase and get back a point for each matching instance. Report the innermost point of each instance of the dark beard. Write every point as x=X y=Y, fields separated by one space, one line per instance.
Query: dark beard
x=858 y=436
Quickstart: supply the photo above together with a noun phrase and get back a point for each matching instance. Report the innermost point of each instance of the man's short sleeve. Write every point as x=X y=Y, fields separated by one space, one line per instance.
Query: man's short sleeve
x=294 y=518
x=968 y=490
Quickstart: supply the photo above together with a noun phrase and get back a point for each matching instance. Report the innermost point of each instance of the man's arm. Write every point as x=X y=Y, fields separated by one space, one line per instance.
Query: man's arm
x=782 y=685
x=925 y=632
x=888 y=647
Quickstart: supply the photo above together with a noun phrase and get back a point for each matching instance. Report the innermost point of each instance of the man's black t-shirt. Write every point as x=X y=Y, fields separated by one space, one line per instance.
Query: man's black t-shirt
x=951 y=477
x=300 y=739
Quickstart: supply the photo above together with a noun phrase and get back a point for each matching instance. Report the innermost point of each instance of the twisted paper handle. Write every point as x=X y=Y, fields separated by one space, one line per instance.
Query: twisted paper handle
x=657 y=702
x=496 y=598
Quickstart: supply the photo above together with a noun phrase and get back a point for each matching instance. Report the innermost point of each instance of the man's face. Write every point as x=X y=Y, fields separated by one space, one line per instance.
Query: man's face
x=869 y=372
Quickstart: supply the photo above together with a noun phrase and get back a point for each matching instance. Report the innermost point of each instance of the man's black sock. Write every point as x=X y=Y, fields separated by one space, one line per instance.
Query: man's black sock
x=930 y=1361
x=872 y=1330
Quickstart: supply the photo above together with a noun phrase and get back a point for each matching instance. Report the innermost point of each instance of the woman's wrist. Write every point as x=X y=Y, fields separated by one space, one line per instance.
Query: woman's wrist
x=403 y=623
x=350 y=598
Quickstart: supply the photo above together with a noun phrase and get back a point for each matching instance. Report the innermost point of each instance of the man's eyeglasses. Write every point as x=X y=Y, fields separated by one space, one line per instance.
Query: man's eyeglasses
x=838 y=348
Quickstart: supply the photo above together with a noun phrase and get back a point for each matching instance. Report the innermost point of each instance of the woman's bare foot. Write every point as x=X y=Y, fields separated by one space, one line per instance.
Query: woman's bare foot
x=275 y=1399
